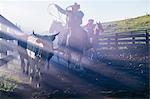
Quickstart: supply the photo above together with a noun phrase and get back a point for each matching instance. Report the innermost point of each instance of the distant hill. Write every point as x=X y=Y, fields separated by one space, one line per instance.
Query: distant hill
x=138 y=23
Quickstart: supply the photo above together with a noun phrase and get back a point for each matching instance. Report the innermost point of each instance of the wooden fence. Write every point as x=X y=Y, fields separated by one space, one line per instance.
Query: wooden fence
x=129 y=44
x=125 y=40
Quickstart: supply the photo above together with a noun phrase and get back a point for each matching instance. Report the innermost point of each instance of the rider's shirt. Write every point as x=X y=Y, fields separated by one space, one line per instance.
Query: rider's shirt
x=89 y=28
x=74 y=18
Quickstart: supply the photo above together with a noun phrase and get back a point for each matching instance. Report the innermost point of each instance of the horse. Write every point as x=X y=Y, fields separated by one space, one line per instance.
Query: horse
x=36 y=54
x=94 y=38
x=56 y=27
x=97 y=30
x=75 y=41
x=46 y=41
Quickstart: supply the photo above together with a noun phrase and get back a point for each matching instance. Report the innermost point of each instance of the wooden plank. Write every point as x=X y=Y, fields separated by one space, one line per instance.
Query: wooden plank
x=115 y=41
x=125 y=36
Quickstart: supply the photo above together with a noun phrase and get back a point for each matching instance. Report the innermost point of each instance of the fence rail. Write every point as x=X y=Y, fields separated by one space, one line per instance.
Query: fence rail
x=128 y=40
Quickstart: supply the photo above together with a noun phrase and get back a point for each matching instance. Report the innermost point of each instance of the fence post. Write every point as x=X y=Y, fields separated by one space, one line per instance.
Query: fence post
x=147 y=42
x=0 y=48
x=116 y=41
x=108 y=43
x=133 y=38
x=147 y=45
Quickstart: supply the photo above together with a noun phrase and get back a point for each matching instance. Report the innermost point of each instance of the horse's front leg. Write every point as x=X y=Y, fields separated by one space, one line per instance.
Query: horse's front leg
x=37 y=72
x=28 y=67
x=92 y=54
x=68 y=57
x=33 y=62
x=38 y=77
x=69 y=60
x=48 y=64
x=22 y=64
x=31 y=70
x=80 y=60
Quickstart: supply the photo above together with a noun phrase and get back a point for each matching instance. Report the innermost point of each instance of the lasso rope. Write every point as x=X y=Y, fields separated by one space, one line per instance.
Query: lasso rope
x=59 y=17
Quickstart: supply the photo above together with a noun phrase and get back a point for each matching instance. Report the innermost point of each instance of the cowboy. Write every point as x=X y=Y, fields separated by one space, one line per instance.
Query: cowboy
x=74 y=15
x=89 y=27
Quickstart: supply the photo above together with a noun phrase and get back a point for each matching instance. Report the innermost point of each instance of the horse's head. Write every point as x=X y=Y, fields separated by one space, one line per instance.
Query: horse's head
x=98 y=28
x=56 y=26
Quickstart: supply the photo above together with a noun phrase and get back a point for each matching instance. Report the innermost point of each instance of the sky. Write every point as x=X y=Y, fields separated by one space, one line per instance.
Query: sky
x=37 y=15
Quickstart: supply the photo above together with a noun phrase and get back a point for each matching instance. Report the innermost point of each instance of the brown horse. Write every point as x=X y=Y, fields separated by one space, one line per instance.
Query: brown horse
x=75 y=41
x=94 y=38
x=97 y=30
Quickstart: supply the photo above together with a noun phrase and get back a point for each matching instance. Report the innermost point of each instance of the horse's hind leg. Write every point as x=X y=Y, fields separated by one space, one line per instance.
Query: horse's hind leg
x=27 y=67
x=68 y=62
x=68 y=58
x=22 y=64
x=31 y=70
x=57 y=58
x=79 y=65
x=48 y=60
x=79 y=61
x=48 y=65
x=37 y=76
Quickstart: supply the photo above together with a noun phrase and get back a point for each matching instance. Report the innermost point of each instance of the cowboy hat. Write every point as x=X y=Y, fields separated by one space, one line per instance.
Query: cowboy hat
x=76 y=5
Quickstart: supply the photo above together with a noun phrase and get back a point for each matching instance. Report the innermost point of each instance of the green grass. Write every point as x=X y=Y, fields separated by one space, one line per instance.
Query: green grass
x=132 y=24
x=7 y=84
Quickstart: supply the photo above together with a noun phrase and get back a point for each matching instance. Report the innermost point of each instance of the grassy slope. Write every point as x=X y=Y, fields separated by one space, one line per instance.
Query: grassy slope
x=138 y=23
